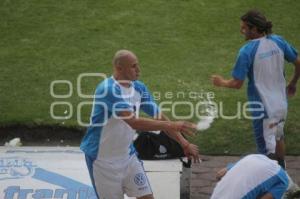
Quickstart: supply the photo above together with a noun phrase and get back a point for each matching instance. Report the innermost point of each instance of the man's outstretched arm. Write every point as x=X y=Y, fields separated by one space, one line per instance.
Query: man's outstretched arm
x=219 y=81
x=172 y=129
x=145 y=124
x=190 y=150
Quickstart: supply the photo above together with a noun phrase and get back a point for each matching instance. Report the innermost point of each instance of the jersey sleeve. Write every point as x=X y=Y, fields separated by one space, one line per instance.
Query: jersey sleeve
x=148 y=105
x=278 y=190
x=290 y=53
x=229 y=166
x=242 y=65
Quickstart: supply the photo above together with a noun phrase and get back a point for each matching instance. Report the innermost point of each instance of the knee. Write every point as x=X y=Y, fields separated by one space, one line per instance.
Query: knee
x=146 y=197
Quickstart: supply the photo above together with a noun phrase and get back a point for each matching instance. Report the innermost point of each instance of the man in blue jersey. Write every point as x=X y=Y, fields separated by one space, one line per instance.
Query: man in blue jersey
x=110 y=156
x=261 y=59
x=253 y=177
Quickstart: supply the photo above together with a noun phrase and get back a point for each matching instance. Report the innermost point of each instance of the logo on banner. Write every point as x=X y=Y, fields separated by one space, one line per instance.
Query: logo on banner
x=16 y=168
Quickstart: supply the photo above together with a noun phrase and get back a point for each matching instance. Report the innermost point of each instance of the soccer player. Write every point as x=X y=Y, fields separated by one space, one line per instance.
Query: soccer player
x=110 y=156
x=254 y=176
x=261 y=59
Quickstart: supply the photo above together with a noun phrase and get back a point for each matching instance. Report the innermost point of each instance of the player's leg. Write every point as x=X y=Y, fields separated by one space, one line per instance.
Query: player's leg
x=266 y=142
x=274 y=139
x=275 y=134
x=259 y=136
x=280 y=145
x=269 y=136
x=136 y=183
x=280 y=153
x=146 y=197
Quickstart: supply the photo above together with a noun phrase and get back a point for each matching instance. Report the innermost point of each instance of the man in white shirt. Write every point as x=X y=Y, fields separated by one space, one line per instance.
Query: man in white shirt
x=254 y=176
x=110 y=156
x=261 y=59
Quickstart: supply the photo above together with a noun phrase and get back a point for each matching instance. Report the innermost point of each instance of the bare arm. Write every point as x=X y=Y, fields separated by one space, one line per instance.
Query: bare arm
x=291 y=88
x=267 y=196
x=173 y=130
x=175 y=136
x=221 y=173
x=219 y=81
x=191 y=151
x=145 y=124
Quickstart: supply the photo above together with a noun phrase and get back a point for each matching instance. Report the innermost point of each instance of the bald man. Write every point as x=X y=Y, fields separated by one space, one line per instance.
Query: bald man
x=113 y=165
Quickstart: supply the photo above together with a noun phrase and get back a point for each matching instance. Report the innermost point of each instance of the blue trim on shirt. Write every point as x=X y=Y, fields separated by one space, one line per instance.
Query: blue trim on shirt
x=259 y=136
x=148 y=105
x=290 y=53
x=244 y=61
x=230 y=165
x=244 y=67
x=275 y=185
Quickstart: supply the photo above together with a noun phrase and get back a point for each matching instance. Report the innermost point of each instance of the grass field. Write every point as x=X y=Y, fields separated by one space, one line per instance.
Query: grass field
x=180 y=44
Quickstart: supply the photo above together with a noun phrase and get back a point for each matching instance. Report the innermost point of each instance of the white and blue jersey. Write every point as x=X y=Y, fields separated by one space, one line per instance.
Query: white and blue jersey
x=252 y=177
x=109 y=137
x=110 y=156
x=262 y=61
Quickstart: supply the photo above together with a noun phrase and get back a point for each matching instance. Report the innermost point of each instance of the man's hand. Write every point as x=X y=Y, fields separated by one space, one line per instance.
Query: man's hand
x=291 y=90
x=217 y=80
x=221 y=173
x=191 y=151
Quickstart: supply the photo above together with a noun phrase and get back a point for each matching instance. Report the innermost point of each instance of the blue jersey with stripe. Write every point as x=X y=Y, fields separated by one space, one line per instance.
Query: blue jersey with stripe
x=252 y=177
x=108 y=136
x=262 y=61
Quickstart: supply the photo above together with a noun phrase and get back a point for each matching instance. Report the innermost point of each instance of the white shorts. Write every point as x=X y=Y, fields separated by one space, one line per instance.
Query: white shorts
x=113 y=179
x=273 y=131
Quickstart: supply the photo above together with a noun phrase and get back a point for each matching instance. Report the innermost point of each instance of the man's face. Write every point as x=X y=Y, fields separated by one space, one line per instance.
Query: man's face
x=130 y=68
x=246 y=31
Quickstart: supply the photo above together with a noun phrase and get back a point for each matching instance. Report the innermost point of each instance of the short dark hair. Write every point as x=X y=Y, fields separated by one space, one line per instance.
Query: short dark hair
x=254 y=18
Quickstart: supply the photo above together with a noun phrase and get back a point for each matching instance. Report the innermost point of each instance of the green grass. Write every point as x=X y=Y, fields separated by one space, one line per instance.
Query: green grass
x=180 y=44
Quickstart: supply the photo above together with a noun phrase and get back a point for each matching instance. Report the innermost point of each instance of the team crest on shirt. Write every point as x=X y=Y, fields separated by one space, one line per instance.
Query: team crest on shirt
x=140 y=179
